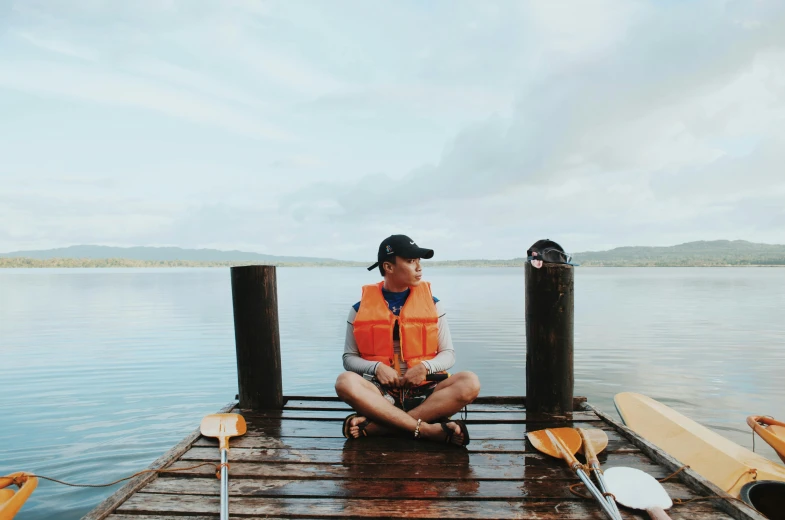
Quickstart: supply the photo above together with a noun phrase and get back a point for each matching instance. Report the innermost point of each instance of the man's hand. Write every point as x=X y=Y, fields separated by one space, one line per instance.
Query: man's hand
x=414 y=376
x=387 y=376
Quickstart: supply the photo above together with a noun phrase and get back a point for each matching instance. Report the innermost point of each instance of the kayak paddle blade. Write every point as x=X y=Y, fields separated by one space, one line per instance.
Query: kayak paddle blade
x=636 y=489
x=594 y=442
x=223 y=426
x=570 y=438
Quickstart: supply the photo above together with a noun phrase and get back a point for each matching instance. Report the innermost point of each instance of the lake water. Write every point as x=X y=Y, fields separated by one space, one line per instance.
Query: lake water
x=102 y=371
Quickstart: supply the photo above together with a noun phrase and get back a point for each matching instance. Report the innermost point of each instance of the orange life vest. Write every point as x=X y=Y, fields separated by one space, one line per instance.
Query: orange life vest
x=417 y=324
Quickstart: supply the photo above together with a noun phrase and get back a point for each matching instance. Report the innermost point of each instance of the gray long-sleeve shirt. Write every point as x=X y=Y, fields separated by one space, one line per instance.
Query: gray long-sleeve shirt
x=444 y=359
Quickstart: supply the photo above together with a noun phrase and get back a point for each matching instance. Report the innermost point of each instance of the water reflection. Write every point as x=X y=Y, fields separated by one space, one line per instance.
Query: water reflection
x=389 y=468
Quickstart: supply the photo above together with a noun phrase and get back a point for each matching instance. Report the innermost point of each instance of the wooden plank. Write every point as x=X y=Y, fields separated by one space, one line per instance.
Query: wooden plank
x=406 y=458
x=108 y=505
x=514 y=416
x=379 y=508
x=616 y=444
x=180 y=516
x=736 y=509
x=299 y=428
x=517 y=400
x=531 y=466
x=330 y=405
x=455 y=490
x=159 y=517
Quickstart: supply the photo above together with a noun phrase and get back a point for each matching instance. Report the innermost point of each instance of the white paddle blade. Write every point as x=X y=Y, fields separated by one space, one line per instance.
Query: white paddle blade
x=636 y=489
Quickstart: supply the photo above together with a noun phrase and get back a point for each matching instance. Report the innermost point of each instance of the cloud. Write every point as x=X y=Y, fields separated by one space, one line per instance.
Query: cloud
x=56 y=79
x=60 y=47
x=646 y=108
x=298 y=162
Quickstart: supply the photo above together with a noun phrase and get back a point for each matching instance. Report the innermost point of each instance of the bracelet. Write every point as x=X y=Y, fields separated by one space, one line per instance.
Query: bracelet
x=417 y=429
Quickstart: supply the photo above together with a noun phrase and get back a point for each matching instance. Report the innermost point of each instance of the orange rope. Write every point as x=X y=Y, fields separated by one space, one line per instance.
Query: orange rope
x=679 y=501
x=674 y=473
x=581 y=495
x=218 y=468
x=162 y=470
x=587 y=497
x=751 y=471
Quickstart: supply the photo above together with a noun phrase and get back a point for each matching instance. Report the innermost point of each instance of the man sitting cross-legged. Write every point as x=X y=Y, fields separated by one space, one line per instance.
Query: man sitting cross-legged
x=396 y=336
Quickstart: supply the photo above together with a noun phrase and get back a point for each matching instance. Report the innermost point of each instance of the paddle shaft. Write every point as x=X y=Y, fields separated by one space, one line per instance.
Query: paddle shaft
x=658 y=513
x=224 y=484
x=599 y=497
x=573 y=463
x=595 y=465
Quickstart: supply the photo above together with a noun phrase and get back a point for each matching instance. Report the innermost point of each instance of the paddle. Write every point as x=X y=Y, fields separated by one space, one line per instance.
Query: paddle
x=563 y=443
x=223 y=426
x=594 y=441
x=638 y=490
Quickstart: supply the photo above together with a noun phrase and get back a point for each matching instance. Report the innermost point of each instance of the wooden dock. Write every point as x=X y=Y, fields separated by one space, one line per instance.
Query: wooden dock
x=295 y=463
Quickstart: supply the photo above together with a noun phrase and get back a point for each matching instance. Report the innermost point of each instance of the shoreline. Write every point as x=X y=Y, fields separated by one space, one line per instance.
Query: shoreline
x=116 y=263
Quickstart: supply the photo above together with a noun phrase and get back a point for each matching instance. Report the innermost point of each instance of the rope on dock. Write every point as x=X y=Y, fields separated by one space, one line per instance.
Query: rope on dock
x=160 y=470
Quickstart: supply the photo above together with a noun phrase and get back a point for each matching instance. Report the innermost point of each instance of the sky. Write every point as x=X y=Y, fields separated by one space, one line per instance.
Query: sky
x=317 y=128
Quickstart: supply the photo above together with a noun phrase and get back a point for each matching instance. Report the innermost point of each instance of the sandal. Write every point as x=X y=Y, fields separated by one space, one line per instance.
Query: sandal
x=450 y=432
x=347 y=426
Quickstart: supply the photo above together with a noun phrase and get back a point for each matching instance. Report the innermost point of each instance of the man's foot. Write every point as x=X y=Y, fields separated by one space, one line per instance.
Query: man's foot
x=354 y=426
x=452 y=432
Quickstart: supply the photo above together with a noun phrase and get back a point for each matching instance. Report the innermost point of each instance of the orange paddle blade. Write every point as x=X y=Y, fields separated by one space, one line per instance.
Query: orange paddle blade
x=569 y=437
x=223 y=426
x=594 y=441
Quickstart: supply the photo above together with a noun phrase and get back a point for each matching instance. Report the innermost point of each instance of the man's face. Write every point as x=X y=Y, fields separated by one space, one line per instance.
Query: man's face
x=405 y=271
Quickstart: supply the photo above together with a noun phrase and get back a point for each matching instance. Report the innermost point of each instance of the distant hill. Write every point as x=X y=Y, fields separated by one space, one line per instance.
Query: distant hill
x=161 y=254
x=691 y=254
x=703 y=253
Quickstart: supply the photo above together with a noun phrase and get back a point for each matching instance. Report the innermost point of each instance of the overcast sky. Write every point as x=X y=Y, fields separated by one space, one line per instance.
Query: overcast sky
x=318 y=128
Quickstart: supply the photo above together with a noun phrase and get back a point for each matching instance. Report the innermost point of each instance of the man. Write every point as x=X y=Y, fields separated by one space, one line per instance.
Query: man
x=396 y=336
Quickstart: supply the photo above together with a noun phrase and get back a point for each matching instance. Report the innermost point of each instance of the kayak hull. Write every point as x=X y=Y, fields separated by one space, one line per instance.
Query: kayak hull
x=719 y=460
x=771 y=431
x=12 y=501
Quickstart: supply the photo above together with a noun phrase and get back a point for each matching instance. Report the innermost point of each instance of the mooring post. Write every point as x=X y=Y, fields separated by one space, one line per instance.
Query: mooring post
x=257 y=340
x=549 y=338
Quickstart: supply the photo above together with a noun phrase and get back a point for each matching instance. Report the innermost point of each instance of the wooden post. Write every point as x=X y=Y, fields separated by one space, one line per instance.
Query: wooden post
x=257 y=340
x=549 y=338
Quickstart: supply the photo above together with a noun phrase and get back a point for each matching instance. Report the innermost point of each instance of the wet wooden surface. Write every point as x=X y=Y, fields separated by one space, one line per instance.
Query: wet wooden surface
x=295 y=463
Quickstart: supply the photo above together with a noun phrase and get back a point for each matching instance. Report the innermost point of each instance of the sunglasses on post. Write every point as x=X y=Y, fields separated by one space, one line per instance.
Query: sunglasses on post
x=550 y=255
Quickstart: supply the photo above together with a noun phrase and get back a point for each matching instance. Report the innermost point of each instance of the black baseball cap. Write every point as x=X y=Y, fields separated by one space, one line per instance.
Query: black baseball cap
x=549 y=252
x=399 y=245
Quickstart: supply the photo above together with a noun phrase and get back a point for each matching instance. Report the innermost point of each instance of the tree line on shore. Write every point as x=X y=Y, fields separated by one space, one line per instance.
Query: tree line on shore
x=730 y=261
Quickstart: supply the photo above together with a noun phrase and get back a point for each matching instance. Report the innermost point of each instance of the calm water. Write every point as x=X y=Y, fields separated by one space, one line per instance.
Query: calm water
x=102 y=371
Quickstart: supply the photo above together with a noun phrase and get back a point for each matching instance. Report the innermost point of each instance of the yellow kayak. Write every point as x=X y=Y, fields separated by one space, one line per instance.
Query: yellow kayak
x=719 y=460
x=771 y=431
x=12 y=501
